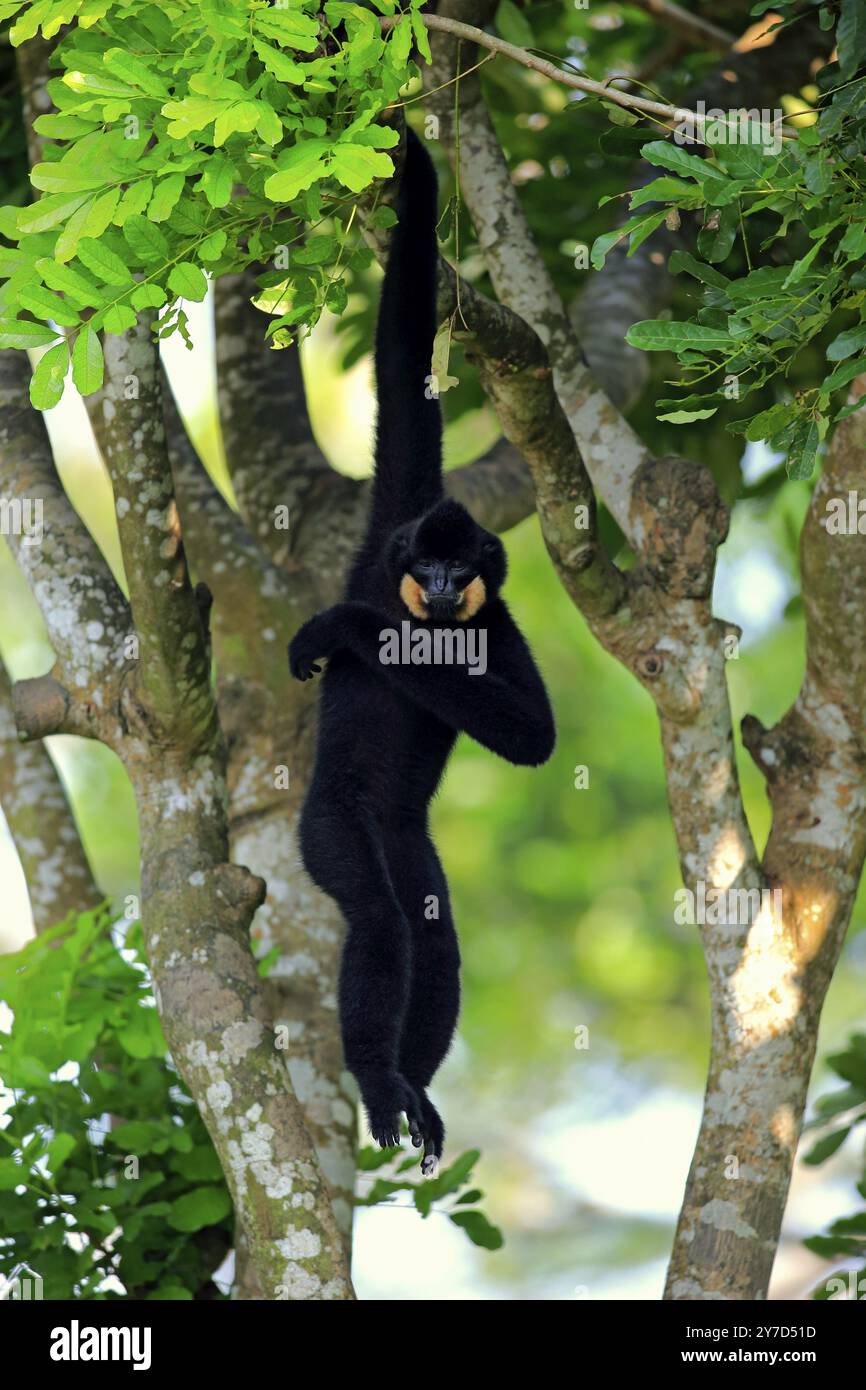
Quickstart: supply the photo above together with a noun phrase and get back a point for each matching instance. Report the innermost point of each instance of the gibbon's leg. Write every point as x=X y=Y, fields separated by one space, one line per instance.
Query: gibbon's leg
x=343 y=853
x=434 y=992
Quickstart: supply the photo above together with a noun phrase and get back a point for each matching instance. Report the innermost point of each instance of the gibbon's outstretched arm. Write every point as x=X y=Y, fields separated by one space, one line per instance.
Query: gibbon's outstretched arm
x=506 y=709
x=408 y=477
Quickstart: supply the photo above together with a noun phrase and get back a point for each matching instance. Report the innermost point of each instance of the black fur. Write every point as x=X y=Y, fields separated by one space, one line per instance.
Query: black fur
x=386 y=731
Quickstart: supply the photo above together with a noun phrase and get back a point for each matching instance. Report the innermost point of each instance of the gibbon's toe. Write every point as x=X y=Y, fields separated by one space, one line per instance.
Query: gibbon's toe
x=386 y=1131
x=432 y=1128
x=429 y=1166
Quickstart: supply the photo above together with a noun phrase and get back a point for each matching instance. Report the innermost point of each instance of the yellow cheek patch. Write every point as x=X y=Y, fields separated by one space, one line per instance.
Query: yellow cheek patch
x=413 y=596
x=474 y=596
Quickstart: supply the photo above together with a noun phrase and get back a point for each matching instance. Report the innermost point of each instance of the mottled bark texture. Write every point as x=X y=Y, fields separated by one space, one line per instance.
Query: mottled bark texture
x=769 y=980
x=42 y=826
x=197 y=907
x=769 y=974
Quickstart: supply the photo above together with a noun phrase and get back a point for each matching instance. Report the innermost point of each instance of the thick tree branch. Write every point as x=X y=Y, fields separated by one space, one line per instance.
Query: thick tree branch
x=42 y=825
x=173 y=658
x=769 y=977
x=267 y=722
x=197 y=908
x=84 y=611
x=273 y=458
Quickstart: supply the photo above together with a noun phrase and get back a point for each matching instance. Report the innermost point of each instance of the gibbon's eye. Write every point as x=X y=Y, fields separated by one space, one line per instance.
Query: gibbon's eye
x=489 y=547
x=424 y=565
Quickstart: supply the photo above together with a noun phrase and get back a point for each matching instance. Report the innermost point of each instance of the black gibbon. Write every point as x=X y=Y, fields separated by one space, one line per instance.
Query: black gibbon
x=386 y=728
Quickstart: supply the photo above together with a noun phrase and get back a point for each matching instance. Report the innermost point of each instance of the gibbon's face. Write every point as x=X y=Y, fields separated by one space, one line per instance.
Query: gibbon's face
x=448 y=567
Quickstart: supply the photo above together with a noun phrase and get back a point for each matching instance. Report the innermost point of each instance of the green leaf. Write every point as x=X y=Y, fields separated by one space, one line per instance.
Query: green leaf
x=117 y=318
x=826 y=1146
x=60 y=177
x=682 y=261
x=240 y=116
x=422 y=38
x=12 y=1174
x=192 y=114
x=837 y=1102
x=88 y=365
x=213 y=246
x=268 y=127
x=479 y=1230
x=107 y=266
x=45 y=305
x=60 y=1148
x=851 y=1064
x=198 y=1166
x=853 y=243
x=663 y=190
x=217 y=180
x=165 y=196
x=851 y=37
x=100 y=213
x=847 y=343
x=319 y=250
x=637 y=229
x=49 y=211
x=769 y=422
x=356 y=166
x=799 y=268
x=280 y=64
x=666 y=155
x=148 y=296
x=47 y=381
x=21 y=333
x=687 y=417
x=131 y=69
x=204 y=1206
x=172 y=1292
x=142 y=1036
x=668 y=335
x=188 y=280
x=290 y=28
x=145 y=239
x=299 y=167
x=843 y=375
x=716 y=239
x=804 y=448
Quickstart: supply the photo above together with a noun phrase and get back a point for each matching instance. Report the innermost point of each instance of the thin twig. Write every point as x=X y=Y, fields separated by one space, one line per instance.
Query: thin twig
x=677 y=114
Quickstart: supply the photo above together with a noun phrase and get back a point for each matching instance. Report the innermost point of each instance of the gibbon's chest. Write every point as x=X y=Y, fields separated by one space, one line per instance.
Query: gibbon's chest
x=399 y=749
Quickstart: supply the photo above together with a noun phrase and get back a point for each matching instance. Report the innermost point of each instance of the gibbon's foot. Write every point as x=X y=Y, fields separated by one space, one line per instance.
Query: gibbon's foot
x=386 y=1096
x=430 y=1132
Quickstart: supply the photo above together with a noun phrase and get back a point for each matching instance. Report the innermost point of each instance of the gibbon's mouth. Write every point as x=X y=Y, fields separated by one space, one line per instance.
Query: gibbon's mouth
x=465 y=605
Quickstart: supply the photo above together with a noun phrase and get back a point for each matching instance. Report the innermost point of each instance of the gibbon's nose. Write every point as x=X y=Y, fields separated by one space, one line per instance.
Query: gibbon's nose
x=439 y=591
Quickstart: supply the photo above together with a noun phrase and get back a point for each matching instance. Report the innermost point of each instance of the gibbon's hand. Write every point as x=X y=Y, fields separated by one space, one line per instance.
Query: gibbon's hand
x=309 y=644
